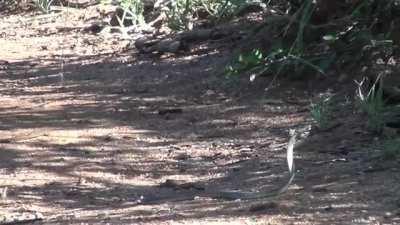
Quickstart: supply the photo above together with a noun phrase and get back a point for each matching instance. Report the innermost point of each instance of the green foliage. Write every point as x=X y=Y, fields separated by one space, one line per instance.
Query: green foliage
x=365 y=35
x=133 y=11
x=305 y=13
x=391 y=148
x=181 y=13
x=321 y=112
x=226 y=9
x=284 y=58
x=373 y=104
x=246 y=62
x=359 y=39
x=358 y=47
x=43 y=5
x=277 y=62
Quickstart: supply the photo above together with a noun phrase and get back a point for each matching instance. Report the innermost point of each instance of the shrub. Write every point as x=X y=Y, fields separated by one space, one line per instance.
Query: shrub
x=321 y=112
x=373 y=104
x=132 y=11
x=43 y=5
x=181 y=13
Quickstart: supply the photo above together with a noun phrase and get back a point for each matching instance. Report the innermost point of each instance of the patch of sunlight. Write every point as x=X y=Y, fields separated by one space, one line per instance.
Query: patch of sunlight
x=107 y=177
x=235 y=108
x=30 y=196
x=32 y=178
x=155 y=99
x=368 y=221
x=63 y=137
x=219 y=122
x=272 y=220
x=183 y=177
x=349 y=205
x=339 y=195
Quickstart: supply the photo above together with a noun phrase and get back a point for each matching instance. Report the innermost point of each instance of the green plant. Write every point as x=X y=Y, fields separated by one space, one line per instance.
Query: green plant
x=249 y=62
x=43 y=5
x=321 y=112
x=215 y=8
x=284 y=58
x=391 y=148
x=226 y=9
x=300 y=46
x=179 y=14
x=132 y=11
x=373 y=104
x=277 y=62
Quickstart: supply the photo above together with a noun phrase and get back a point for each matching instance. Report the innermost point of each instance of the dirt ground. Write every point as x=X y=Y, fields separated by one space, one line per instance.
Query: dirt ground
x=91 y=132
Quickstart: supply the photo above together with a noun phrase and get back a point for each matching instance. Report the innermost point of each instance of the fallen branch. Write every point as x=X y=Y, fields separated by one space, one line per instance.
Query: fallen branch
x=178 y=43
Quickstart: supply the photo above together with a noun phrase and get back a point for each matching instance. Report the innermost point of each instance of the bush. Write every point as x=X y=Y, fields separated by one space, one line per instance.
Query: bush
x=43 y=5
x=373 y=104
x=321 y=112
x=181 y=13
x=132 y=11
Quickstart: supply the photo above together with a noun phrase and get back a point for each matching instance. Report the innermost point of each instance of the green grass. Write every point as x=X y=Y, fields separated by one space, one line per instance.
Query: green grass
x=43 y=5
x=373 y=104
x=321 y=112
x=181 y=13
x=284 y=58
x=133 y=11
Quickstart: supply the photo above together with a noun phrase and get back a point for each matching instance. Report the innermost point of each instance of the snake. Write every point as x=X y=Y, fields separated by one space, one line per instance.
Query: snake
x=231 y=195
x=236 y=195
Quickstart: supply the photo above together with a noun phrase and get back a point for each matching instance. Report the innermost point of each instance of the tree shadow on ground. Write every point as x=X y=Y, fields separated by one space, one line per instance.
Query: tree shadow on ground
x=101 y=127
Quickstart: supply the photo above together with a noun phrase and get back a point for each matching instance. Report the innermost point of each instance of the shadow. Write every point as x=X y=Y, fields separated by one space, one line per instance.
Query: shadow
x=101 y=136
x=10 y=160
